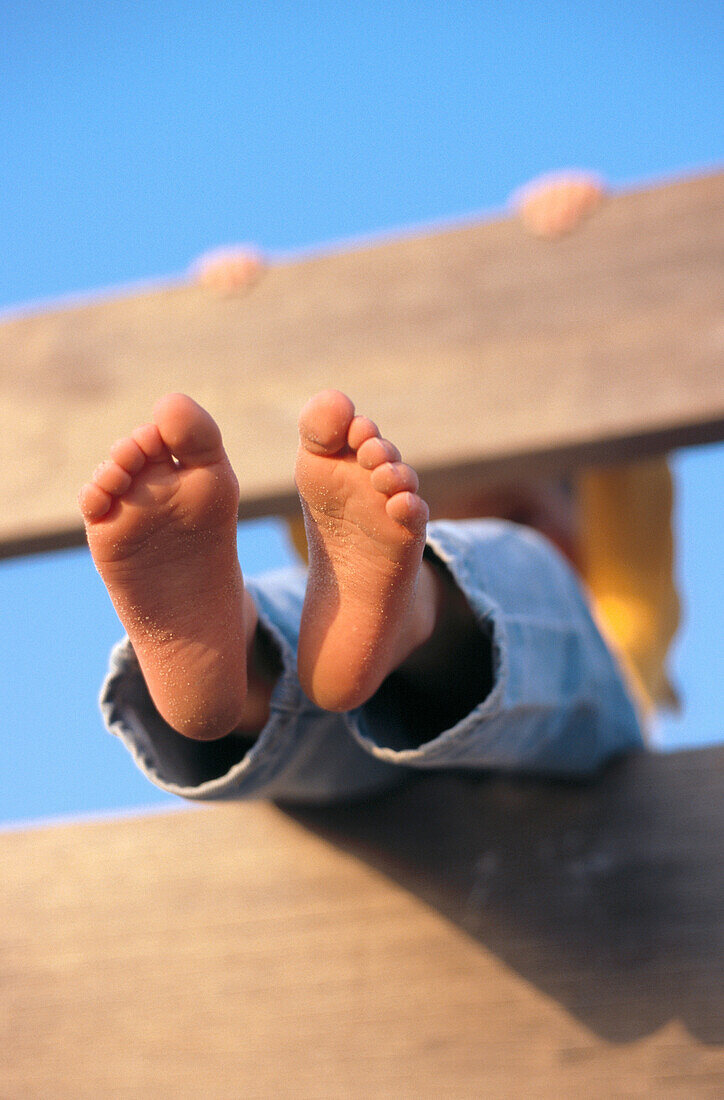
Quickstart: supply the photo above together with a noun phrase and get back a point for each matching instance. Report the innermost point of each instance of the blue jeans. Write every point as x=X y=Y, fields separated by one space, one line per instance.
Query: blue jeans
x=558 y=705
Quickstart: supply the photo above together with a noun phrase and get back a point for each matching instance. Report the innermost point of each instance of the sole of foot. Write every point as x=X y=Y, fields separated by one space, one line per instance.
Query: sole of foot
x=160 y=517
x=365 y=522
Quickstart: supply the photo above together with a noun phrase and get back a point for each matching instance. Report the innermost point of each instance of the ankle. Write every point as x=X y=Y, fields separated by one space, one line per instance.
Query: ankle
x=423 y=618
x=263 y=668
x=442 y=612
x=429 y=602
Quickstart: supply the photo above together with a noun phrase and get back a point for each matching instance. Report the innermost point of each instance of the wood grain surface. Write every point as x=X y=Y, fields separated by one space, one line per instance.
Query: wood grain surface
x=480 y=350
x=466 y=937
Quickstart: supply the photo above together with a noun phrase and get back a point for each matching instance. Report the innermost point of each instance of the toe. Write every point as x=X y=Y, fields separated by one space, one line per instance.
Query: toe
x=394 y=477
x=189 y=432
x=409 y=510
x=324 y=422
x=376 y=451
x=360 y=430
x=129 y=455
x=150 y=442
x=94 y=502
x=112 y=478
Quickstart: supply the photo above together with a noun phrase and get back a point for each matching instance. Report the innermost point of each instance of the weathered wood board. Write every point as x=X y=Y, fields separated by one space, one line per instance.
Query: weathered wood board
x=480 y=349
x=463 y=937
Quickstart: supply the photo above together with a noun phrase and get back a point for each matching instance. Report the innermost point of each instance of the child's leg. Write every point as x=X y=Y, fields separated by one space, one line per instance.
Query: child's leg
x=161 y=523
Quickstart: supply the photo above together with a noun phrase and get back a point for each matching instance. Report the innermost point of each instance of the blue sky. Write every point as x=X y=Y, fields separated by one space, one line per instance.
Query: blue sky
x=136 y=136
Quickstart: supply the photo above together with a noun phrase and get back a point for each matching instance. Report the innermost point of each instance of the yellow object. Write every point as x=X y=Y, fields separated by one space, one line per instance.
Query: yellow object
x=298 y=537
x=625 y=545
x=627 y=562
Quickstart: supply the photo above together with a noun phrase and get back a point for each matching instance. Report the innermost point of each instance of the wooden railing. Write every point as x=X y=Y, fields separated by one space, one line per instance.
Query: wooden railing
x=465 y=936
x=485 y=350
x=462 y=937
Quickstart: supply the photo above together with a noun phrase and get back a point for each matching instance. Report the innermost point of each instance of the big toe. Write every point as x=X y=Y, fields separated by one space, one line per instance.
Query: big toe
x=324 y=422
x=190 y=432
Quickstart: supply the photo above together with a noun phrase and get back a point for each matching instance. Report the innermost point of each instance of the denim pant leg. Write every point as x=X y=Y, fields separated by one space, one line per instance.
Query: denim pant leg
x=559 y=705
x=303 y=754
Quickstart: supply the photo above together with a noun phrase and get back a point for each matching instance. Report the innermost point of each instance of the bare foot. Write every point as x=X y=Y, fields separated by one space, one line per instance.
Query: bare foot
x=368 y=604
x=160 y=518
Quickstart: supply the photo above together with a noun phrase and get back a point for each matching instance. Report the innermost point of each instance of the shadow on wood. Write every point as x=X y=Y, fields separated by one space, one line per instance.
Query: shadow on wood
x=463 y=936
x=608 y=897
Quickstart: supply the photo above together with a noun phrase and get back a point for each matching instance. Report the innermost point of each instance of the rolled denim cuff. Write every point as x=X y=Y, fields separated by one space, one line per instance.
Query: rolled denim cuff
x=303 y=754
x=558 y=704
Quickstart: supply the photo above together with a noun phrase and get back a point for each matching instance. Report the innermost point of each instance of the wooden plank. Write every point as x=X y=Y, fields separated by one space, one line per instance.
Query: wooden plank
x=463 y=937
x=482 y=350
